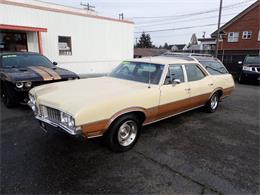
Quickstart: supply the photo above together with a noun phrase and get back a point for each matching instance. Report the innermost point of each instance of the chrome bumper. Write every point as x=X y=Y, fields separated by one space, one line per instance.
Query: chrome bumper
x=56 y=125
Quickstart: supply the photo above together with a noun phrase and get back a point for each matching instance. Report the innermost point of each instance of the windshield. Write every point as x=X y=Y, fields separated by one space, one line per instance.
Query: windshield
x=24 y=60
x=252 y=60
x=214 y=67
x=139 y=71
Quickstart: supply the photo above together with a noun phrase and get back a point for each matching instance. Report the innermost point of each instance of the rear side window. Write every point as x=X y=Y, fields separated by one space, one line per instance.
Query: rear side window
x=194 y=73
x=214 y=67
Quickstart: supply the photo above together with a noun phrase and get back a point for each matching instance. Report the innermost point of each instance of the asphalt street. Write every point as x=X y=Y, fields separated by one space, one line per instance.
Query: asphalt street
x=194 y=152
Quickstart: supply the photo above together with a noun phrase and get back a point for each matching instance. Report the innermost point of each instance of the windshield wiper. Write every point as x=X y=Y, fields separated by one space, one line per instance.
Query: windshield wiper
x=214 y=69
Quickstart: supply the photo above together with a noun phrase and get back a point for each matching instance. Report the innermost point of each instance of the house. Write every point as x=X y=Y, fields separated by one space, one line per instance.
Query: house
x=177 y=47
x=242 y=33
x=238 y=38
x=78 y=39
x=207 y=44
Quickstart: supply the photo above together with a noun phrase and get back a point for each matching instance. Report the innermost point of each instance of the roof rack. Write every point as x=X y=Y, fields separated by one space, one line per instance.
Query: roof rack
x=177 y=54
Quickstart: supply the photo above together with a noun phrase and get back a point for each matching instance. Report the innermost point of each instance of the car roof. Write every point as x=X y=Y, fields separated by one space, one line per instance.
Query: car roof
x=197 y=56
x=18 y=53
x=166 y=60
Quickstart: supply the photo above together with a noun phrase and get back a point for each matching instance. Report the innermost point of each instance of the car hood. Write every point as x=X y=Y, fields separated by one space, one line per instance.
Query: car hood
x=72 y=96
x=36 y=73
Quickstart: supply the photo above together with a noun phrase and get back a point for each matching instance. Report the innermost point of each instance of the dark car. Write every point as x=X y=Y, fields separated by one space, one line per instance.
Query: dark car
x=250 y=70
x=21 y=71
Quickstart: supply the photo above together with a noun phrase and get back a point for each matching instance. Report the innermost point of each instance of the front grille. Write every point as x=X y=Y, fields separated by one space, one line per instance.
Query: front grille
x=50 y=114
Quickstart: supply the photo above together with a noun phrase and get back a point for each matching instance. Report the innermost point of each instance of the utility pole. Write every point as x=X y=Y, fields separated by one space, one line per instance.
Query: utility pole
x=204 y=34
x=219 y=21
x=121 y=16
x=87 y=6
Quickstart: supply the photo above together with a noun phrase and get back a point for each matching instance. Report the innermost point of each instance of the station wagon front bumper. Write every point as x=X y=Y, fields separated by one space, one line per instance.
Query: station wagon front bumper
x=44 y=121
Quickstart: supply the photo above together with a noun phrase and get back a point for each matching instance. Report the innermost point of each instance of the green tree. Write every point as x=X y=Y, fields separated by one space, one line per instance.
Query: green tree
x=166 y=46
x=144 y=41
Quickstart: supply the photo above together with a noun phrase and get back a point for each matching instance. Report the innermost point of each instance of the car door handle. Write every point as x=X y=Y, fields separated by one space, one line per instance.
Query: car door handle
x=211 y=84
x=187 y=89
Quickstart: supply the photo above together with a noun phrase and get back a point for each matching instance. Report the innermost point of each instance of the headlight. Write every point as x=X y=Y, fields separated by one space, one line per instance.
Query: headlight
x=32 y=99
x=19 y=85
x=67 y=120
x=31 y=103
x=247 y=68
x=28 y=84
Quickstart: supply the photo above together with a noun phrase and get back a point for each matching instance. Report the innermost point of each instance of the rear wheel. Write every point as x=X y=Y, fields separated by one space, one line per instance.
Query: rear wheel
x=213 y=103
x=123 y=133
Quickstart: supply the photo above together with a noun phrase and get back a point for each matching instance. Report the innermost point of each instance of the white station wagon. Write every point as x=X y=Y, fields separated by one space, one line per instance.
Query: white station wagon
x=136 y=93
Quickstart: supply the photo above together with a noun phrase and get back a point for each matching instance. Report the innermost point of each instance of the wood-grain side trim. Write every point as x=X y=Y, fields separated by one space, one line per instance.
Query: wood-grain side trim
x=152 y=114
x=176 y=107
x=95 y=128
x=227 y=91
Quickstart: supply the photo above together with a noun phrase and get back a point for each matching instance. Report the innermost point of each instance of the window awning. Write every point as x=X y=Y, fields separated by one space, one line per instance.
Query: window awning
x=22 y=28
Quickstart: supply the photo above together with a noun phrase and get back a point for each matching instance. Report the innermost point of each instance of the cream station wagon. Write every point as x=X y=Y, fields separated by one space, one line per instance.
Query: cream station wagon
x=136 y=93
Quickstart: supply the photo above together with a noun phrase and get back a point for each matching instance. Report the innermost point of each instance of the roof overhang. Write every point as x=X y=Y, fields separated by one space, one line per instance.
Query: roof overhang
x=22 y=28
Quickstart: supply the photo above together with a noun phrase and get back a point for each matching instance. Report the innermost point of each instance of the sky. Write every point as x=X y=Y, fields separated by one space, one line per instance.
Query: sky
x=183 y=17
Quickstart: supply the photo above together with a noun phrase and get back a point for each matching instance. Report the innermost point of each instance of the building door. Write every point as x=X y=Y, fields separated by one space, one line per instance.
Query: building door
x=13 y=41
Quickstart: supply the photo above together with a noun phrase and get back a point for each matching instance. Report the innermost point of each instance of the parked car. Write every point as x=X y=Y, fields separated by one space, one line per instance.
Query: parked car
x=21 y=71
x=136 y=93
x=250 y=71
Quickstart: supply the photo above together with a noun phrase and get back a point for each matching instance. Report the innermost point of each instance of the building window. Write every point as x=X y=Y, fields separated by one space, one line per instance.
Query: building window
x=247 y=35
x=65 y=46
x=233 y=36
x=258 y=36
x=13 y=41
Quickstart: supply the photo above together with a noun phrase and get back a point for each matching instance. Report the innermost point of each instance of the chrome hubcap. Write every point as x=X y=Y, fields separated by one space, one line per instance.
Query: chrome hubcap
x=127 y=133
x=214 y=102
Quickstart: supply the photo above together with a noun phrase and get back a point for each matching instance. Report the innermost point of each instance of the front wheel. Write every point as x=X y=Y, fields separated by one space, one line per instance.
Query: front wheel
x=6 y=96
x=213 y=103
x=123 y=133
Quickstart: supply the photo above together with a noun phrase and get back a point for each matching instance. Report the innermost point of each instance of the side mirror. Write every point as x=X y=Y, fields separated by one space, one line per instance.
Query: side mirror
x=240 y=62
x=176 y=81
x=55 y=63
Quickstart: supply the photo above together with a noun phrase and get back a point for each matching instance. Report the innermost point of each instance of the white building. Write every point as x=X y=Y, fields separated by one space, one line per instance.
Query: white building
x=77 y=39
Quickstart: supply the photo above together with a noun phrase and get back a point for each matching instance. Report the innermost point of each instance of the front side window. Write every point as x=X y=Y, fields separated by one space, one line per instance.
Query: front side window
x=214 y=67
x=247 y=35
x=139 y=71
x=174 y=72
x=194 y=73
x=233 y=36
x=65 y=45
x=24 y=60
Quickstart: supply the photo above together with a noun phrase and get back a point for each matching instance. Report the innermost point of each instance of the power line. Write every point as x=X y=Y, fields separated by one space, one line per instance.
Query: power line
x=188 y=27
x=171 y=29
x=176 y=18
x=174 y=22
x=194 y=13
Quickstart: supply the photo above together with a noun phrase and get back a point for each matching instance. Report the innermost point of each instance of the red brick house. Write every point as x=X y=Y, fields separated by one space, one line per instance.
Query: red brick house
x=243 y=31
x=240 y=37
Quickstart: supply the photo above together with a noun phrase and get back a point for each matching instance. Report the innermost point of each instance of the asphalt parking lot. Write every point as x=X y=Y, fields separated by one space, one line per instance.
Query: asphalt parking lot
x=195 y=152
